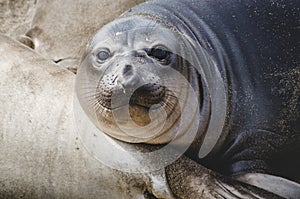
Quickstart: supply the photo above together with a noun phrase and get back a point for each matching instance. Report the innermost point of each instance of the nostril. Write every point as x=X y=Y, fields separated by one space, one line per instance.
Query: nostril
x=127 y=68
x=149 y=195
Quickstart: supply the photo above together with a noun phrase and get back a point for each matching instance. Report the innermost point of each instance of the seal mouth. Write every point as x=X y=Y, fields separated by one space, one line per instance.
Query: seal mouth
x=146 y=96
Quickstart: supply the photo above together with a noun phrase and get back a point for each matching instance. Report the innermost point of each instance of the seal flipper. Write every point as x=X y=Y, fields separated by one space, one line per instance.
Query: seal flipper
x=274 y=184
x=187 y=179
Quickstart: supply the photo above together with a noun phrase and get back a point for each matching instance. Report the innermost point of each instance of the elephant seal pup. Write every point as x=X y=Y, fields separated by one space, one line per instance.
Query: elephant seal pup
x=240 y=60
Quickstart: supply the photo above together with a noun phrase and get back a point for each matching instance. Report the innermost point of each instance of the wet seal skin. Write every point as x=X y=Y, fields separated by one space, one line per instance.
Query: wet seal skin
x=234 y=65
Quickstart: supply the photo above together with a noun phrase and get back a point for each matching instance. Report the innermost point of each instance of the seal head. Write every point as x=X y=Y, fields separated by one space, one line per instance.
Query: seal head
x=134 y=80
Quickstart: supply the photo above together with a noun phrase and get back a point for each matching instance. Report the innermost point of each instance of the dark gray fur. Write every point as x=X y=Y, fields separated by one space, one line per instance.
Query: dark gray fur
x=256 y=47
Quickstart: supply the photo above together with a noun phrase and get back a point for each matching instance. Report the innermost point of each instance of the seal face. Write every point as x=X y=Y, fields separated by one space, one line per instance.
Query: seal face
x=136 y=81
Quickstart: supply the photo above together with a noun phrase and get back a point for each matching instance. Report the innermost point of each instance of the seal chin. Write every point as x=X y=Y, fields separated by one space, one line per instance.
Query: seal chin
x=147 y=122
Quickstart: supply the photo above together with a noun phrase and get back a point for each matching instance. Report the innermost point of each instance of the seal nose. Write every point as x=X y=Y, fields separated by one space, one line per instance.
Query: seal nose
x=128 y=77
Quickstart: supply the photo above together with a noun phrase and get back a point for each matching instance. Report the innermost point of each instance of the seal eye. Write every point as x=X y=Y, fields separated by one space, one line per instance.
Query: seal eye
x=160 y=53
x=103 y=55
